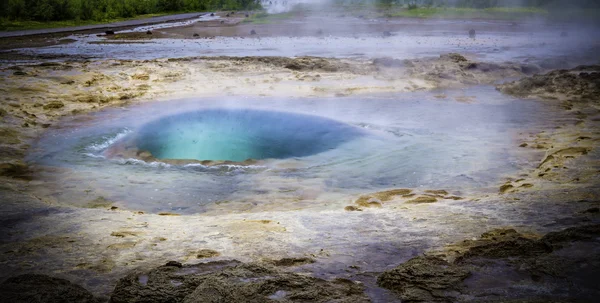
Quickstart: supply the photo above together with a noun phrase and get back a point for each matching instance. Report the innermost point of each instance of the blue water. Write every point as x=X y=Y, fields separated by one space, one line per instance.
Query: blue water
x=241 y=134
x=314 y=151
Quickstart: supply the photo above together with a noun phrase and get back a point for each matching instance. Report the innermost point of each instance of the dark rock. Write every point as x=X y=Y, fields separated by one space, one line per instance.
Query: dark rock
x=530 y=69
x=14 y=169
x=583 y=233
x=454 y=57
x=227 y=15
x=148 y=32
x=196 y=35
x=319 y=32
x=232 y=281
x=387 y=34
x=20 y=73
x=578 y=84
x=212 y=14
x=174 y=263
x=32 y=288
x=424 y=278
x=292 y=261
x=252 y=32
x=503 y=263
x=108 y=33
x=472 y=33
x=504 y=243
x=247 y=15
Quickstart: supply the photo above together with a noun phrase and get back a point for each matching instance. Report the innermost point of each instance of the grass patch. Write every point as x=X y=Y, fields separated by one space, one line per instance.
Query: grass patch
x=505 y=13
x=265 y=18
x=6 y=25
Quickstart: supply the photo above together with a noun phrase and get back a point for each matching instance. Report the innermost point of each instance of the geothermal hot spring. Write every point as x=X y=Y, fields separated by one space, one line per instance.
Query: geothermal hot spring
x=238 y=154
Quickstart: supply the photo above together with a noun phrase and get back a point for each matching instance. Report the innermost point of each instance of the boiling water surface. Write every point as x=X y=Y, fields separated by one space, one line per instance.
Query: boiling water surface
x=333 y=150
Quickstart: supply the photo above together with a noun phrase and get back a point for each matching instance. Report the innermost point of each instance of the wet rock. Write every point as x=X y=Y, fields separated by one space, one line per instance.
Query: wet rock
x=505 y=264
x=247 y=15
x=54 y=105
x=20 y=73
x=174 y=264
x=422 y=199
x=32 y=288
x=196 y=35
x=471 y=33
x=252 y=32
x=506 y=187
x=232 y=281
x=578 y=84
x=227 y=15
x=109 y=33
x=352 y=208
x=582 y=233
x=441 y=192
x=14 y=169
x=424 y=279
x=367 y=201
x=454 y=57
x=148 y=32
x=388 y=62
x=9 y=136
x=207 y=253
x=292 y=261
x=530 y=69
x=504 y=243
x=212 y=14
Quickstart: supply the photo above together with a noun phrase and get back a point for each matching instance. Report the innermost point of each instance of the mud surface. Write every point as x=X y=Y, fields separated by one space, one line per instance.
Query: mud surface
x=531 y=235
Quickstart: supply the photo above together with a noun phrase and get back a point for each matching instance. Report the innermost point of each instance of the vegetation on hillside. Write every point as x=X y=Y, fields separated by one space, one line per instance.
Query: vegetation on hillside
x=104 y=10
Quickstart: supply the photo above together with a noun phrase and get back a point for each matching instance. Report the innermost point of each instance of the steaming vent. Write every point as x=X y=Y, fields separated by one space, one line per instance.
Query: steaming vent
x=232 y=135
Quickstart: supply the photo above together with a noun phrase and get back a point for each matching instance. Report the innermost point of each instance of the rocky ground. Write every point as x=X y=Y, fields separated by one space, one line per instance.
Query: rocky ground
x=122 y=256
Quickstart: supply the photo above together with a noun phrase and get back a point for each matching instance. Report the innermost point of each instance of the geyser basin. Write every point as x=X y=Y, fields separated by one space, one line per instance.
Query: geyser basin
x=234 y=135
x=317 y=152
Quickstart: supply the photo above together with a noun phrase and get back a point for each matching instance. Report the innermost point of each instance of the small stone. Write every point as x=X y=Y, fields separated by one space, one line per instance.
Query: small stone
x=252 y=32
x=196 y=35
x=472 y=33
x=504 y=188
x=352 y=208
x=148 y=32
x=54 y=105
x=207 y=253
x=108 y=33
